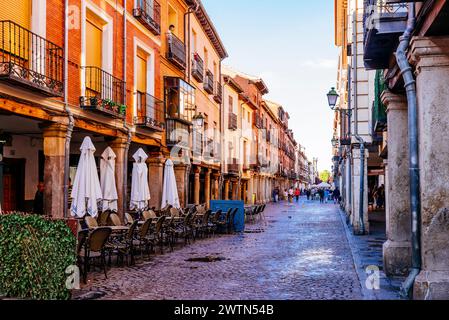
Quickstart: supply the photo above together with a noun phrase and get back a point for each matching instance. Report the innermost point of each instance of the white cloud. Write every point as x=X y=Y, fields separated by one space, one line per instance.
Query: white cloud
x=320 y=64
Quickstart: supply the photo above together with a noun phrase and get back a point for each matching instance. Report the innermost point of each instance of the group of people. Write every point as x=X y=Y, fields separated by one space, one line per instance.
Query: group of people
x=289 y=195
x=293 y=194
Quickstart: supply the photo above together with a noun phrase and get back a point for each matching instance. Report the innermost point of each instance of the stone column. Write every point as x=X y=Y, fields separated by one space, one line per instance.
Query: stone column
x=245 y=191
x=226 y=190
x=216 y=186
x=196 y=185
x=181 y=182
x=355 y=221
x=207 y=187
x=348 y=187
x=119 y=146
x=431 y=57
x=54 y=152
x=397 y=249
x=156 y=164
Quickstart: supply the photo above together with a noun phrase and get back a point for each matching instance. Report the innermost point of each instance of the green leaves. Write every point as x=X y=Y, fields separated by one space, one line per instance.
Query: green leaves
x=34 y=253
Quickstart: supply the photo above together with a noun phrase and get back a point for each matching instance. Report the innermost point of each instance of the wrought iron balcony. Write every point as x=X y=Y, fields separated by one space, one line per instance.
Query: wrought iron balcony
x=257 y=120
x=104 y=93
x=232 y=123
x=197 y=68
x=176 y=51
x=384 y=22
x=233 y=167
x=209 y=82
x=148 y=12
x=31 y=61
x=150 y=112
x=218 y=96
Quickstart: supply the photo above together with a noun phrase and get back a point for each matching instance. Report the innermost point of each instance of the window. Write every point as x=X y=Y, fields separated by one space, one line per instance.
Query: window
x=141 y=85
x=206 y=59
x=231 y=105
x=180 y=98
x=173 y=19
x=18 y=11
x=94 y=36
x=194 y=41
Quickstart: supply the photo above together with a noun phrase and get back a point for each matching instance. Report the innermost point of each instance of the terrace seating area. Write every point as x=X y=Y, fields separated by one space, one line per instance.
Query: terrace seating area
x=106 y=240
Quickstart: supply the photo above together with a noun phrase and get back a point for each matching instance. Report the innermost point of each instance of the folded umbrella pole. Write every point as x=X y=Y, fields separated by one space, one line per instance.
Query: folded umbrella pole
x=107 y=180
x=140 y=191
x=86 y=192
x=170 y=190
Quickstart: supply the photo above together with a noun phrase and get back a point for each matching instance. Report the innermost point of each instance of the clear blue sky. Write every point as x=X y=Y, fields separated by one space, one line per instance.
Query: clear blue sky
x=289 y=43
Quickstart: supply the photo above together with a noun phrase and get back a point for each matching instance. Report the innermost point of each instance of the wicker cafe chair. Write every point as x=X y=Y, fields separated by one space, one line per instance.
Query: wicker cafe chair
x=150 y=214
x=202 y=224
x=91 y=222
x=142 y=241
x=129 y=219
x=125 y=247
x=157 y=237
x=95 y=249
x=212 y=223
x=222 y=223
x=115 y=220
x=103 y=218
x=230 y=226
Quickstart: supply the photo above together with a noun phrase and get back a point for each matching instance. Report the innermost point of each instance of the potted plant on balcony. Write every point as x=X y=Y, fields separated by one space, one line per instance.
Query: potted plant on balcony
x=122 y=109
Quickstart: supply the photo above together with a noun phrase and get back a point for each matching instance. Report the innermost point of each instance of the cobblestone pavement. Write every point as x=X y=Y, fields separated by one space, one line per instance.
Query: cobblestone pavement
x=302 y=253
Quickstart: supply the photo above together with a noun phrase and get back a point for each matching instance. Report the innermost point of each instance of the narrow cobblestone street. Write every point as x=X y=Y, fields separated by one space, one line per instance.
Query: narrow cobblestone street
x=302 y=253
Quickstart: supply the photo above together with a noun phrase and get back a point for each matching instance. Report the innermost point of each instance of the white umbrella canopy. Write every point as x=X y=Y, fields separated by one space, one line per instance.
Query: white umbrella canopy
x=140 y=191
x=324 y=185
x=107 y=180
x=170 y=190
x=86 y=192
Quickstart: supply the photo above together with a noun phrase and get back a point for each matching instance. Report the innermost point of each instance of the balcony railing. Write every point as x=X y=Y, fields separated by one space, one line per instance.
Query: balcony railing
x=233 y=167
x=150 y=112
x=232 y=125
x=31 y=61
x=209 y=82
x=218 y=96
x=257 y=120
x=176 y=51
x=197 y=68
x=148 y=12
x=384 y=23
x=104 y=93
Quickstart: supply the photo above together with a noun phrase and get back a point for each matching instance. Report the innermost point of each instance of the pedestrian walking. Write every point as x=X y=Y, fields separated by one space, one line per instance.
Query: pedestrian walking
x=276 y=194
x=336 y=196
x=291 y=193
x=38 y=203
x=285 y=194
x=321 y=195
x=308 y=194
x=326 y=195
x=297 y=194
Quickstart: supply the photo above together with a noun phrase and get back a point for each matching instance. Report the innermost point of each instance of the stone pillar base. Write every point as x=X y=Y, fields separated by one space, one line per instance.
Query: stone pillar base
x=431 y=285
x=397 y=257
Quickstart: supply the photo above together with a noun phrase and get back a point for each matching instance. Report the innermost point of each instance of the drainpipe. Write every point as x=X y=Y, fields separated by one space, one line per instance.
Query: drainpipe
x=71 y=124
x=125 y=125
x=414 y=176
x=356 y=129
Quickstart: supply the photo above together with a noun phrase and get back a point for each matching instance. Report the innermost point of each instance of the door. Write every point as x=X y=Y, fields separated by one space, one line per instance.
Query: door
x=13 y=184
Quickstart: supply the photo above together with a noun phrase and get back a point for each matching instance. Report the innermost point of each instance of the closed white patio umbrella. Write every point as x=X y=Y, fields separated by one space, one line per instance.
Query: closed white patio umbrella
x=140 y=191
x=170 y=190
x=107 y=180
x=86 y=192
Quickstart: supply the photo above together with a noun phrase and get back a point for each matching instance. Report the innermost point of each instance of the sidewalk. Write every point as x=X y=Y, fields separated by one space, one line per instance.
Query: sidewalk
x=367 y=251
